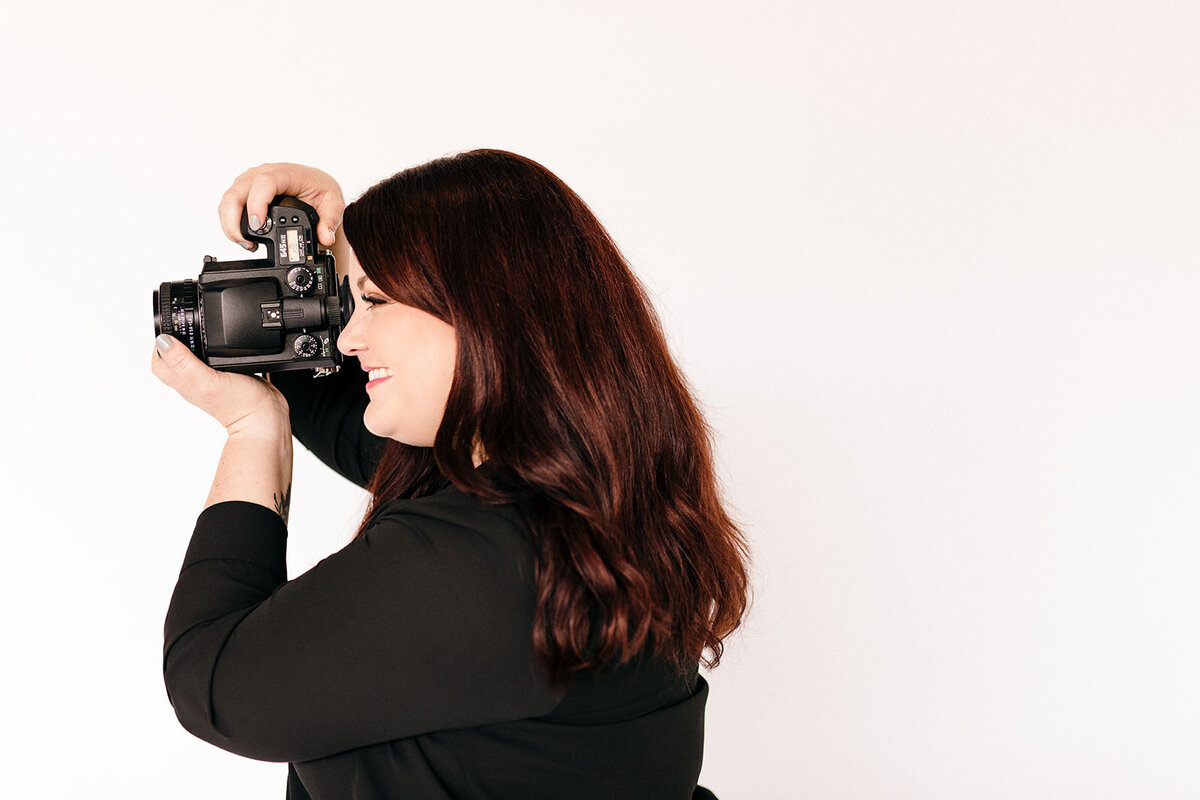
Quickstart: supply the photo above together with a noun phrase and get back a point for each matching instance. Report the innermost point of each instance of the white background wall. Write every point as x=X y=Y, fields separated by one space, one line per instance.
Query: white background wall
x=931 y=268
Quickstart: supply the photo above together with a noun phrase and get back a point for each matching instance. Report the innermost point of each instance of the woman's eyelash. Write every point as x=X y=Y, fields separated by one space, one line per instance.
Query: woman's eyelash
x=373 y=300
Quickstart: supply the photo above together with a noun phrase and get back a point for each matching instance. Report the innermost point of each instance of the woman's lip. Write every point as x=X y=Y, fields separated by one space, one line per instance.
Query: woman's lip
x=377 y=381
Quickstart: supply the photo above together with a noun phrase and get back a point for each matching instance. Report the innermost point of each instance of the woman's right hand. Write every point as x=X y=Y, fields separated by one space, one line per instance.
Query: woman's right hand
x=255 y=188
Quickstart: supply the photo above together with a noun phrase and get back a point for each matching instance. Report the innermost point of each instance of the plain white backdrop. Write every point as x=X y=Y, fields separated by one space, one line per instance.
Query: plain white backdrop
x=930 y=267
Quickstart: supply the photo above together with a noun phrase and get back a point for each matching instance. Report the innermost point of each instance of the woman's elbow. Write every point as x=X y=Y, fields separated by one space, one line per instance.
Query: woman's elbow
x=237 y=728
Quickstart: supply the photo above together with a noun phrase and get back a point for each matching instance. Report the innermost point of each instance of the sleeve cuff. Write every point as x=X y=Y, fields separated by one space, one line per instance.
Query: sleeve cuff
x=240 y=530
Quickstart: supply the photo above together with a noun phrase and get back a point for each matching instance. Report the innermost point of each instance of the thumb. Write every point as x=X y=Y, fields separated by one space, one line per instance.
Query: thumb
x=330 y=213
x=196 y=382
x=178 y=367
x=173 y=352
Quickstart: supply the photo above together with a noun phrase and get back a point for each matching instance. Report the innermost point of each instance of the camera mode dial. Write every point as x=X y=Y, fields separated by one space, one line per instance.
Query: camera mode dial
x=300 y=279
x=307 y=346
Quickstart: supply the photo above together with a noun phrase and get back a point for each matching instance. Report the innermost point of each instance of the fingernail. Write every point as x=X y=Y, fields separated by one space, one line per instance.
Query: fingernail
x=254 y=223
x=163 y=343
x=246 y=245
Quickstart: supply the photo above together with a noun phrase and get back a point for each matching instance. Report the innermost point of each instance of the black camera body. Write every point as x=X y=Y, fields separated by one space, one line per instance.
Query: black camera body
x=280 y=313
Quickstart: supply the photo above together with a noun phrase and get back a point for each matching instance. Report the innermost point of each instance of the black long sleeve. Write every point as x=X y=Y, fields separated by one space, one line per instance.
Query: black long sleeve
x=327 y=418
x=428 y=608
x=402 y=665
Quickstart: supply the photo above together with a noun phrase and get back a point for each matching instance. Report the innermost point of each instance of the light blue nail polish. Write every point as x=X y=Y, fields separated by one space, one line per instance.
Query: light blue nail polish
x=254 y=223
x=163 y=343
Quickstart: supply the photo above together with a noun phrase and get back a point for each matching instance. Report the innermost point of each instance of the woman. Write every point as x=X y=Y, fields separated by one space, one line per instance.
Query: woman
x=545 y=558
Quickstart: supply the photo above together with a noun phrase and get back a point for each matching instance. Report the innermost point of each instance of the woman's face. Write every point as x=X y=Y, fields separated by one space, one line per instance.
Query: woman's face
x=414 y=352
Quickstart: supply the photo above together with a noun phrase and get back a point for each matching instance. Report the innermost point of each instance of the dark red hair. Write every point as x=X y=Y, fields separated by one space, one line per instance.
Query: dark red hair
x=563 y=376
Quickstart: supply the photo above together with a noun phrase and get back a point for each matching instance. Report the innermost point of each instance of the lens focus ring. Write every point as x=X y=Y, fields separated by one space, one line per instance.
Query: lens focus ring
x=179 y=314
x=163 y=296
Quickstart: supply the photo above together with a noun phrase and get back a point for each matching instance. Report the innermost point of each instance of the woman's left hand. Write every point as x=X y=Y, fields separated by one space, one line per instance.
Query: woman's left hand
x=238 y=402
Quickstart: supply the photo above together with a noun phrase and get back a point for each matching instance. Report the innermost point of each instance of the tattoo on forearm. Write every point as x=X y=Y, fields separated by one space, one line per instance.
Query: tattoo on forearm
x=283 y=504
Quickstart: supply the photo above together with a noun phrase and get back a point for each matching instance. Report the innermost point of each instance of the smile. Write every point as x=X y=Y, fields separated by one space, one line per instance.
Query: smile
x=378 y=375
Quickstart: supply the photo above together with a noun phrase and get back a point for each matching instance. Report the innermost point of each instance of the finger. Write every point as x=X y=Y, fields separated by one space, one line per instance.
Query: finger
x=178 y=362
x=168 y=356
x=157 y=366
x=262 y=192
x=179 y=368
x=330 y=211
x=161 y=370
x=229 y=211
x=316 y=188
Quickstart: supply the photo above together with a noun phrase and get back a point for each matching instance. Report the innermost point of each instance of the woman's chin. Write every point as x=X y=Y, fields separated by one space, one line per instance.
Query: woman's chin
x=371 y=425
x=384 y=431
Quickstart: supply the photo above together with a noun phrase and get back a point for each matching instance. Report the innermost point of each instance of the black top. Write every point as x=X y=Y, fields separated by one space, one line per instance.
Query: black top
x=402 y=665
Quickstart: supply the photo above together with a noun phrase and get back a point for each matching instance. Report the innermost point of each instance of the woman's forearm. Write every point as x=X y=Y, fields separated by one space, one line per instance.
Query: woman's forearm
x=256 y=466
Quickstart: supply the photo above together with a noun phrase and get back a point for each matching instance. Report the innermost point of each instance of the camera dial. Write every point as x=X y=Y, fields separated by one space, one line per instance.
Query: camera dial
x=300 y=279
x=307 y=346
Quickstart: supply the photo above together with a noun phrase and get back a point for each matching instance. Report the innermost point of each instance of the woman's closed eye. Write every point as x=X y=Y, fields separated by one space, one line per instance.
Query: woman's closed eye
x=374 y=300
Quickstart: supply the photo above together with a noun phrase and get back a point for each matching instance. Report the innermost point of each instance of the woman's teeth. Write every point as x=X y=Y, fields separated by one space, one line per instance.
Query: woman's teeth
x=382 y=372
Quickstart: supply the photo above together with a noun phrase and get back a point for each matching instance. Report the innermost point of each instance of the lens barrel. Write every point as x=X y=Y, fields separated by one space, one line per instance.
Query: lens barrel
x=177 y=312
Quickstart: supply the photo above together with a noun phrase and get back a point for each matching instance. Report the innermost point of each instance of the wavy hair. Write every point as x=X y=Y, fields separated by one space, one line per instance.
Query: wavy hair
x=564 y=378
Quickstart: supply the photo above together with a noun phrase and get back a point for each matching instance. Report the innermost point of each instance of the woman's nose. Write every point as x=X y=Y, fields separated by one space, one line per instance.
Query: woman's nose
x=350 y=339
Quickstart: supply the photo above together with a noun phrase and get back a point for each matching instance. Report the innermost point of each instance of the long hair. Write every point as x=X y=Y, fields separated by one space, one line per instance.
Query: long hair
x=564 y=379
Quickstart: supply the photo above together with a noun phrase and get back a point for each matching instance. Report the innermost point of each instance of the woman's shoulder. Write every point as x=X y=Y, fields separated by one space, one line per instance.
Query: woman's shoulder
x=451 y=521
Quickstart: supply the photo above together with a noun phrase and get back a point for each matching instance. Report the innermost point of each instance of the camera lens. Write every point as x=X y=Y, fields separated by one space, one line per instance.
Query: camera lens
x=177 y=313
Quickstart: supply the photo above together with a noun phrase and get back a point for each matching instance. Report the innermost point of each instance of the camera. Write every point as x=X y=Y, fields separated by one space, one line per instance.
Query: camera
x=280 y=313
